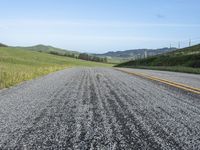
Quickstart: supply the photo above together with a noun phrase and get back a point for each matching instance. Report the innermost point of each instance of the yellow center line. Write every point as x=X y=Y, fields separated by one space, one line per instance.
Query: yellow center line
x=168 y=82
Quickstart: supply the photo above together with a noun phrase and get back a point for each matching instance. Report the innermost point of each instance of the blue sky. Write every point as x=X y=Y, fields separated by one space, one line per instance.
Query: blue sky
x=99 y=25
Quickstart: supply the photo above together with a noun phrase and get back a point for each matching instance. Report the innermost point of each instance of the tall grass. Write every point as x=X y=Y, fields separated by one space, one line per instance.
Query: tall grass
x=18 y=65
x=13 y=74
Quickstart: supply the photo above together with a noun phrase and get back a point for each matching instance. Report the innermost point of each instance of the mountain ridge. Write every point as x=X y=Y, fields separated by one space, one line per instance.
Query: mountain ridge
x=136 y=52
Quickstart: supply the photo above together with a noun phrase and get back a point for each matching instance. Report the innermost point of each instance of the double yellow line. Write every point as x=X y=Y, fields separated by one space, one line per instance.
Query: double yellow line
x=171 y=83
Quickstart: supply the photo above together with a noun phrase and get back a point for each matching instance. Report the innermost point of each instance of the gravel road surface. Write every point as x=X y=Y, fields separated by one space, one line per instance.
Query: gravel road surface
x=98 y=108
x=184 y=78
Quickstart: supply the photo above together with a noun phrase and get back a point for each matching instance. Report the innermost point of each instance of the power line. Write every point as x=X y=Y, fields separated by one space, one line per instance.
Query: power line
x=185 y=43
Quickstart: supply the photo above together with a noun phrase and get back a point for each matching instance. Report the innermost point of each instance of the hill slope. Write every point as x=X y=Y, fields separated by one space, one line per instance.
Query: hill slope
x=17 y=65
x=48 y=49
x=184 y=60
x=3 y=45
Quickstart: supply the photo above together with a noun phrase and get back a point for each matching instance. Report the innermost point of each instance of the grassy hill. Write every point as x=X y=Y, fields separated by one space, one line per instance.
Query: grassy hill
x=63 y=52
x=17 y=65
x=3 y=45
x=48 y=49
x=183 y=60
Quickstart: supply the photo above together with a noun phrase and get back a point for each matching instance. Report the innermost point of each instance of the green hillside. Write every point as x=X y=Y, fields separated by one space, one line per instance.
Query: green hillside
x=62 y=52
x=3 y=45
x=183 y=60
x=48 y=49
x=17 y=65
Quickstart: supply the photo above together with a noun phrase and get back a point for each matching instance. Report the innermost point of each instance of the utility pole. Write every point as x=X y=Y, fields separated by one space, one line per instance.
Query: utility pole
x=145 y=54
x=170 y=46
x=179 y=45
x=190 y=42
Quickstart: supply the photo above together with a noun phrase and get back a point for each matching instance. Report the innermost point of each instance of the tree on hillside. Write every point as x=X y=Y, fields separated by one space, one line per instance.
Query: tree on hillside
x=85 y=56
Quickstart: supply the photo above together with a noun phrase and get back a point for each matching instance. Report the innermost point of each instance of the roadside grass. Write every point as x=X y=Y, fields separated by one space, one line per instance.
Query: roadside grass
x=18 y=65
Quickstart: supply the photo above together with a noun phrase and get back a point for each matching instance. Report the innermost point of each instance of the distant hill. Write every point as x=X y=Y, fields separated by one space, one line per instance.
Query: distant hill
x=49 y=49
x=183 y=58
x=62 y=52
x=3 y=45
x=136 y=53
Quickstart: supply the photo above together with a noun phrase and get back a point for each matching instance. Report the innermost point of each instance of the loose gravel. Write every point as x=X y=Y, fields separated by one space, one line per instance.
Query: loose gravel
x=98 y=108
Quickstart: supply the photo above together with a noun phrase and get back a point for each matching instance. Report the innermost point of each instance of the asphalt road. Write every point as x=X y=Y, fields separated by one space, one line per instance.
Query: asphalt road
x=183 y=78
x=98 y=108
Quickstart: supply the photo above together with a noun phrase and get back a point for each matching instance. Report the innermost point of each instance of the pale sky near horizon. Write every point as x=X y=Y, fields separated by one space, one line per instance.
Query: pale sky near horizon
x=98 y=26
